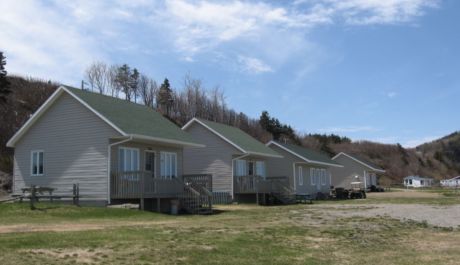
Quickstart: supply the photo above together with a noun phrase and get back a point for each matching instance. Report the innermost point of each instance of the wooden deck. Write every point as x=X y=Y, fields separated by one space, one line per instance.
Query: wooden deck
x=257 y=184
x=268 y=190
x=140 y=184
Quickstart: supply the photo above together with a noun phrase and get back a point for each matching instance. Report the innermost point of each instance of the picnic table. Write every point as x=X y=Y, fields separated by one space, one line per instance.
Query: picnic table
x=33 y=190
x=34 y=193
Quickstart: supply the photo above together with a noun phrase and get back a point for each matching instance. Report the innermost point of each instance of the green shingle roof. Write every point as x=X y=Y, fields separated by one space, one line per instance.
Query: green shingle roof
x=240 y=138
x=133 y=118
x=367 y=162
x=309 y=154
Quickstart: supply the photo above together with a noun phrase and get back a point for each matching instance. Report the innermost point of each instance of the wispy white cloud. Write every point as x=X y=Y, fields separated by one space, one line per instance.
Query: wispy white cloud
x=58 y=39
x=253 y=65
x=367 y=12
x=348 y=129
x=392 y=94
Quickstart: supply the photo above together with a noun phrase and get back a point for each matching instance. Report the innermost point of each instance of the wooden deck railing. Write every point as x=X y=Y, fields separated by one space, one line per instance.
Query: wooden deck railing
x=246 y=184
x=257 y=184
x=141 y=184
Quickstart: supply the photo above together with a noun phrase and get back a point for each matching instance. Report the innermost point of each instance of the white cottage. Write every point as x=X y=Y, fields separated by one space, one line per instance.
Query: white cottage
x=453 y=182
x=417 y=182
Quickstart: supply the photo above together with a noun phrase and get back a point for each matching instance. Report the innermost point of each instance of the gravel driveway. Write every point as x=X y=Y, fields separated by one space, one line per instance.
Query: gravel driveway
x=443 y=216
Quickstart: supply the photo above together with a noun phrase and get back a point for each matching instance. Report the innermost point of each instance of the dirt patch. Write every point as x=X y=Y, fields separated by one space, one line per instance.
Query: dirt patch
x=77 y=255
x=404 y=194
x=70 y=227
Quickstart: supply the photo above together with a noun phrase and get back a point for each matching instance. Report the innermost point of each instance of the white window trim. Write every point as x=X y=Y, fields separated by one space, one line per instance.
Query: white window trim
x=32 y=163
x=154 y=162
x=312 y=176
x=175 y=157
x=300 y=175
x=133 y=177
x=138 y=156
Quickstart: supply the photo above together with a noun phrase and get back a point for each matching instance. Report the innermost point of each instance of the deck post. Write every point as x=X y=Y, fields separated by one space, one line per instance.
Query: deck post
x=158 y=205
x=32 y=197
x=142 y=190
x=256 y=181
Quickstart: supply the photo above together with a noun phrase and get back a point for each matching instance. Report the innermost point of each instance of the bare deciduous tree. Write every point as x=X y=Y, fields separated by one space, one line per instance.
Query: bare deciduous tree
x=148 y=89
x=98 y=77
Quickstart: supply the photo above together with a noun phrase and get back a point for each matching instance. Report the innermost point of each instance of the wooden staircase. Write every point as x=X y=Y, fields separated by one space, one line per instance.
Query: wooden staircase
x=196 y=197
x=280 y=192
x=285 y=196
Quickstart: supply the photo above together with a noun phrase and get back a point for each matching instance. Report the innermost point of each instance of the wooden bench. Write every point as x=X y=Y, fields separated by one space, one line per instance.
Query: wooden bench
x=304 y=198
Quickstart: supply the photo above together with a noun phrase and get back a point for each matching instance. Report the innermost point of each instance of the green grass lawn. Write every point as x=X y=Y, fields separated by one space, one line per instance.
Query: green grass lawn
x=239 y=234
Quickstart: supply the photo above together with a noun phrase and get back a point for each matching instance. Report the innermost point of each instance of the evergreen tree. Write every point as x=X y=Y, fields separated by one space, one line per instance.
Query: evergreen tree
x=264 y=121
x=123 y=80
x=4 y=83
x=165 y=97
x=134 y=84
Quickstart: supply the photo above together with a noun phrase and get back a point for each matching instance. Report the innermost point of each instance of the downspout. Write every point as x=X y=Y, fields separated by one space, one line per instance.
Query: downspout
x=233 y=175
x=109 y=154
x=294 y=177
x=365 y=182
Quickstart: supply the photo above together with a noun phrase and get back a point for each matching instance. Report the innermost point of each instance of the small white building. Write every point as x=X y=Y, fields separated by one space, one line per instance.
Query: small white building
x=417 y=182
x=453 y=182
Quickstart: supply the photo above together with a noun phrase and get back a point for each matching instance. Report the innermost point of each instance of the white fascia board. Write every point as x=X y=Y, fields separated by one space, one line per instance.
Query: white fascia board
x=359 y=161
x=301 y=157
x=163 y=140
x=213 y=131
x=94 y=111
x=31 y=121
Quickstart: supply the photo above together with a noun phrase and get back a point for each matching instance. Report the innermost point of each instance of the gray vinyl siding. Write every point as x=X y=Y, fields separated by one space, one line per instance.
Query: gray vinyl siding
x=74 y=141
x=143 y=147
x=289 y=166
x=342 y=177
x=214 y=159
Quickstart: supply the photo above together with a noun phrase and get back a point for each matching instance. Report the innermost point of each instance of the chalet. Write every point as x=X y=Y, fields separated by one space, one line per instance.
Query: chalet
x=355 y=169
x=308 y=171
x=116 y=151
x=238 y=163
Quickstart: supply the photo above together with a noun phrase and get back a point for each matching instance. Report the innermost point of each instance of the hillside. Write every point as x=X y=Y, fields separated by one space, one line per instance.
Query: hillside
x=26 y=97
x=438 y=159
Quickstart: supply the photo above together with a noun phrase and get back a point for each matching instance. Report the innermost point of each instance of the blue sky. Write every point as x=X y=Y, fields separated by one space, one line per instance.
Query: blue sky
x=377 y=70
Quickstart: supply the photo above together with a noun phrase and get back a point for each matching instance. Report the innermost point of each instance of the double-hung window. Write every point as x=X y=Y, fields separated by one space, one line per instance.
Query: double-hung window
x=240 y=168
x=36 y=165
x=168 y=165
x=323 y=177
x=260 y=169
x=128 y=163
x=300 y=175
